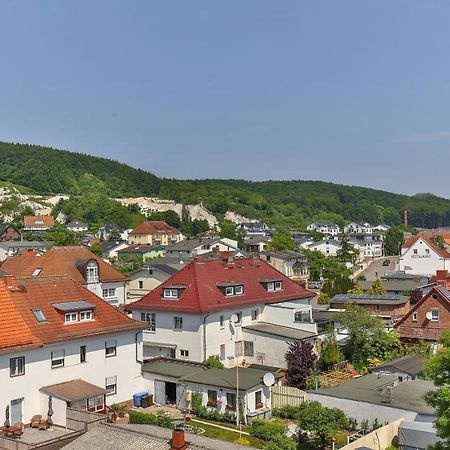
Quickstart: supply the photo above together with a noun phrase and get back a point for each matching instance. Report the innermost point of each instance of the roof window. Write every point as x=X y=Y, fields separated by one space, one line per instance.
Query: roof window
x=36 y=272
x=39 y=315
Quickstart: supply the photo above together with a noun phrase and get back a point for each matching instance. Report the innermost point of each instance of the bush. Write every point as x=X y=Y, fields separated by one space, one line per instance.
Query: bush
x=286 y=412
x=267 y=429
x=141 y=418
x=281 y=441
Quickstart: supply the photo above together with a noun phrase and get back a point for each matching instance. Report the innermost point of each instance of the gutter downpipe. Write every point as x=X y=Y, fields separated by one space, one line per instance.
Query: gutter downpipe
x=204 y=336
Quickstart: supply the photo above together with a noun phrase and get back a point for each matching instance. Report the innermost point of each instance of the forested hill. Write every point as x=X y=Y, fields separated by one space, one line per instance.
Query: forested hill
x=284 y=203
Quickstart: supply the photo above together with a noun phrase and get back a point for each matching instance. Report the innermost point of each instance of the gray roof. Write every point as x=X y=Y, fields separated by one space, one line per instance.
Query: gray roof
x=171 y=367
x=107 y=246
x=372 y=388
x=26 y=244
x=285 y=254
x=5 y=226
x=368 y=299
x=73 y=306
x=402 y=276
x=411 y=364
x=398 y=285
x=187 y=245
x=279 y=330
x=163 y=268
x=108 y=436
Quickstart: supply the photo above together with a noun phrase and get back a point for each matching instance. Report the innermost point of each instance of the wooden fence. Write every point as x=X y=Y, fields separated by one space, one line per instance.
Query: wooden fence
x=285 y=395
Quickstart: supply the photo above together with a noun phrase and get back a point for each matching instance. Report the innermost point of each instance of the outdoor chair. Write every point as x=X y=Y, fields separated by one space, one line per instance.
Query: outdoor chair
x=43 y=425
x=18 y=433
x=35 y=421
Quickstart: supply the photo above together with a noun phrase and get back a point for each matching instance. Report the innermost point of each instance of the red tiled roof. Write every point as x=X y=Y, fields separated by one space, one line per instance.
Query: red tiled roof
x=136 y=249
x=60 y=261
x=14 y=332
x=47 y=221
x=42 y=293
x=203 y=295
x=154 y=227
x=413 y=239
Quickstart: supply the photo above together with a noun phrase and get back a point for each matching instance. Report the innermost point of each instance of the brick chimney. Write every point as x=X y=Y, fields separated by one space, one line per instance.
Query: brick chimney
x=405 y=218
x=441 y=275
x=178 y=442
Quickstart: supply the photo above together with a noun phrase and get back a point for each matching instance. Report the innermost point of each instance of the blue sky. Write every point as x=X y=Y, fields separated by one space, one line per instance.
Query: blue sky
x=354 y=92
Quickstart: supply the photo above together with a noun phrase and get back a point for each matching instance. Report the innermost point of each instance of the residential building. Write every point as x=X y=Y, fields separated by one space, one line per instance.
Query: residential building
x=420 y=255
x=191 y=248
x=390 y=307
x=58 y=338
x=292 y=264
x=368 y=247
x=110 y=249
x=105 y=231
x=327 y=228
x=400 y=283
x=205 y=308
x=144 y=280
x=9 y=232
x=382 y=227
x=173 y=382
x=427 y=318
x=78 y=263
x=76 y=226
x=145 y=252
x=329 y=247
x=256 y=244
x=12 y=248
x=358 y=227
x=38 y=223
x=255 y=228
x=407 y=368
x=155 y=232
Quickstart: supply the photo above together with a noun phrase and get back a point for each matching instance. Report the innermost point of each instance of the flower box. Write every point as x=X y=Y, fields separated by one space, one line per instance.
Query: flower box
x=213 y=404
x=259 y=405
x=231 y=407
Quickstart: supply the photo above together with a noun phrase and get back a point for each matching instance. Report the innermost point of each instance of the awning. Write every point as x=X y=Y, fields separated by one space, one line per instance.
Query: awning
x=72 y=391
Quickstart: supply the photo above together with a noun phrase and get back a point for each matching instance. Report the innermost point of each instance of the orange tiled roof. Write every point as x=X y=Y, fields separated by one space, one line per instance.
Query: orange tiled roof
x=38 y=221
x=14 y=332
x=413 y=239
x=60 y=261
x=42 y=293
x=154 y=227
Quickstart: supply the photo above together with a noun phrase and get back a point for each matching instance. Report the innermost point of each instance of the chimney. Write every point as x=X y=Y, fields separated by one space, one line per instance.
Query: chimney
x=405 y=218
x=10 y=281
x=178 y=442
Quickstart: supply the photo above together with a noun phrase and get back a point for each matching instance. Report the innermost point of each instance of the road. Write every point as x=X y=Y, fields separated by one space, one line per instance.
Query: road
x=376 y=268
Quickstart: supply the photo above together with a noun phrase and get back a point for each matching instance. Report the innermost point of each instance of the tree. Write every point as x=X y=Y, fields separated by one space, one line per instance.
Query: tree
x=199 y=226
x=300 y=360
x=357 y=290
x=330 y=352
x=415 y=296
x=169 y=216
x=114 y=236
x=377 y=288
x=213 y=361
x=281 y=441
x=282 y=241
x=438 y=368
x=96 y=250
x=327 y=267
x=393 y=240
x=323 y=299
x=60 y=235
x=347 y=253
x=322 y=421
x=439 y=241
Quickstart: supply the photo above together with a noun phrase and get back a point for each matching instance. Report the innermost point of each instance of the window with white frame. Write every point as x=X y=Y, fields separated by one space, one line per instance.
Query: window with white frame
x=70 y=317
x=109 y=293
x=435 y=315
x=277 y=285
x=57 y=358
x=150 y=318
x=270 y=287
x=302 y=316
x=229 y=291
x=92 y=272
x=170 y=293
x=184 y=353
x=85 y=315
x=110 y=348
x=95 y=404
x=178 y=323
x=111 y=385
x=234 y=290
x=248 y=348
x=238 y=290
x=414 y=316
x=17 y=366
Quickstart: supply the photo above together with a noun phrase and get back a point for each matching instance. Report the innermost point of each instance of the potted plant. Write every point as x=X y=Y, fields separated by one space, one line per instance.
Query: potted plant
x=259 y=405
x=212 y=403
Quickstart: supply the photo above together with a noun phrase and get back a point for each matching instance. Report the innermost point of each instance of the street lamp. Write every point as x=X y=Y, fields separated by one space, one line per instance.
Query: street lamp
x=234 y=320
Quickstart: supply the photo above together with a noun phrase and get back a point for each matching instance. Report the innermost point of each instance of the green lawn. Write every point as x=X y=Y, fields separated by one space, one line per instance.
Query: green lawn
x=224 y=435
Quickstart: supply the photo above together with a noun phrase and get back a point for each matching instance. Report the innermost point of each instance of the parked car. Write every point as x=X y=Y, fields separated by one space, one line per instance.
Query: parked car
x=386 y=262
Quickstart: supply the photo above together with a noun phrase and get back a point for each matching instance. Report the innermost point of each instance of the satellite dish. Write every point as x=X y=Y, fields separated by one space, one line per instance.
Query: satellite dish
x=269 y=379
x=234 y=318
x=429 y=315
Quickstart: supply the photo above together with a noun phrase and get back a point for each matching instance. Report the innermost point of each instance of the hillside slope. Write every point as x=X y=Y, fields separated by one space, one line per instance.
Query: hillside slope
x=283 y=203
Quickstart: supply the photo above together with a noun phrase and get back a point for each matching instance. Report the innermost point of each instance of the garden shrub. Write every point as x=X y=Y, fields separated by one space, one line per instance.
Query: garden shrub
x=141 y=418
x=267 y=429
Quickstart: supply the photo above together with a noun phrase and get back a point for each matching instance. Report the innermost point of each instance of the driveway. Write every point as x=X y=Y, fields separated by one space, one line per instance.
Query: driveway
x=376 y=268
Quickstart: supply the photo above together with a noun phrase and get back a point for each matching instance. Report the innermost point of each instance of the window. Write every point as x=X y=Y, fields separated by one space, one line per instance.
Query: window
x=238 y=290
x=222 y=322
x=270 y=287
x=150 y=318
x=184 y=353
x=248 y=348
x=170 y=293
x=95 y=404
x=278 y=285
x=70 y=317
x=222 y=352
x=82 y=354
x=17 y=366
x=258 y=400
x=231 y=400
x=415 y=251
x=36 y=272
x=92 y=272
x=39 y=315
x=110 y=348
x=427 y=251
x=377 y=308
x=141 y=284
x=173 y=354
x=229 y=291
x=212 y=398
x=57 y=358
x=111 y=385
x=178 y=323
x=85 y=315
x=255 y=314
x=109 y=293
x=302 y=316
x=414 y=316
x=435 y=315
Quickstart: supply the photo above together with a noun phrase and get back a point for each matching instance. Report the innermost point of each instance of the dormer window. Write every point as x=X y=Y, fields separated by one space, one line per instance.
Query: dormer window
x=272 y=285
x=173 y=292
x=70 y=317
x=170 y=293
x=92 y=272
x=85 y=315
x=230 y=289
x=74 y=312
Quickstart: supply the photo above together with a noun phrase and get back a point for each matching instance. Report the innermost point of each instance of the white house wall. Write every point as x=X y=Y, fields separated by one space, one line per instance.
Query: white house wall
x=422 y=263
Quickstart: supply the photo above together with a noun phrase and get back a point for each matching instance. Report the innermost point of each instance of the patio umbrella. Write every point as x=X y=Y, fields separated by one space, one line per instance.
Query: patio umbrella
x=50 y=412
x=7 y=422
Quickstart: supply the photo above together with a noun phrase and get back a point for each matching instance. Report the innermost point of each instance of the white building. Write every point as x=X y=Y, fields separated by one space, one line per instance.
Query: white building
x=358 y=227
x=191 y=248
x=78 y=263
x=214 y=307
x=368 y=248
x=421 y=256
x=76 y=226
x=329 y=247
x=56 y=336
x=327 y=228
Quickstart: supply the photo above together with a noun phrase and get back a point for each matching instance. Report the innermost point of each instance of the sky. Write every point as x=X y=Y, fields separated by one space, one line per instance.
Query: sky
x=350 y=91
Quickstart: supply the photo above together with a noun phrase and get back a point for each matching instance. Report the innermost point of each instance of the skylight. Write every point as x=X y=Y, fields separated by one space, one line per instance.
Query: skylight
x=36 y=272
x=39 y=315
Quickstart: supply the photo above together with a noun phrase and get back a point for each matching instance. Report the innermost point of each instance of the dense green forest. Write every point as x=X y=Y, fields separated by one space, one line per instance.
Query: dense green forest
x=290 y=204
